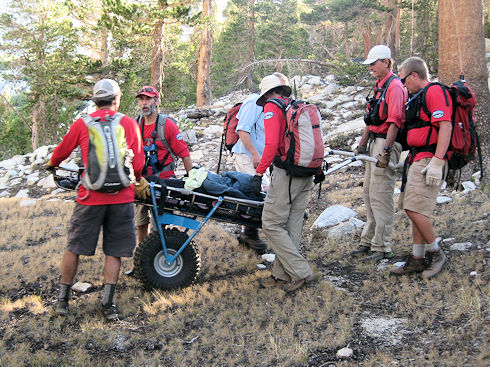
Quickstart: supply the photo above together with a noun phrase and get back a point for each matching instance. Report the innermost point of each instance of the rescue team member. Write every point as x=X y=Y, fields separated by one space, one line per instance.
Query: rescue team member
x=427 y=168
x=282 y=220
x=379 y=180
x=148 y=99
x=247 y=153
x=114 y=212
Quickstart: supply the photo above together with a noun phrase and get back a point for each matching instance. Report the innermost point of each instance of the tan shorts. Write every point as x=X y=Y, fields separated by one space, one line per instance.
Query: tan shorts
x=141 y=215
x=418 y=197
x=243 y=163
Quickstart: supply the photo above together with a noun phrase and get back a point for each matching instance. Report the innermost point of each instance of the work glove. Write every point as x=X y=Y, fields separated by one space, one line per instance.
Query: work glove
x=319 y=177
x=142 y=189
x=434 y=171
x=49 y=166
x=383 y=159
x=257 y=184
x=361 y=149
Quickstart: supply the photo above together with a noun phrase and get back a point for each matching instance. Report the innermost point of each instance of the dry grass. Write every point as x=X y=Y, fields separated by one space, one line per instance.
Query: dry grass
x=225 y=320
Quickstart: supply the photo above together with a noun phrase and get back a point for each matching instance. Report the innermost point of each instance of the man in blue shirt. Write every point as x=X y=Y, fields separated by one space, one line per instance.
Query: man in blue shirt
x=247 y=153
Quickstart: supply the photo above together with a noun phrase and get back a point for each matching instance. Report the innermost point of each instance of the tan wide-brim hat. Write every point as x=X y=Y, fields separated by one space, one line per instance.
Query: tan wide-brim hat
x=273 y=81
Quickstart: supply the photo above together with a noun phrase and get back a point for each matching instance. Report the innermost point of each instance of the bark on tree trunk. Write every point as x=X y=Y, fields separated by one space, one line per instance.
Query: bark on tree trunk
x=251 y=43
x=462 y=47
x=38 y=121
x=157 y=74
x=346 y=40
x=203 y=69
x=367 y=37
x=104 y=47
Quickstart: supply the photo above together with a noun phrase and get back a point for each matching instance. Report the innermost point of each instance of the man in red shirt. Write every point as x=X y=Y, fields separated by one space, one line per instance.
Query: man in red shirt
x=165 y=150
x=429 y=137
x=282 y=219
x=384 y=116
x=114 y=212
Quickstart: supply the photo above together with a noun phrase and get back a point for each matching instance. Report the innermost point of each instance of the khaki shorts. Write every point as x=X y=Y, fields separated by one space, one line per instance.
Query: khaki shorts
x=243 y=163
x=418 y=197
x=116 y=220
x=141 y=215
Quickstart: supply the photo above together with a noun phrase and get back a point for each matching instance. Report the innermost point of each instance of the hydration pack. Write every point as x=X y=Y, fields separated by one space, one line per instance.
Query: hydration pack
x=109 y=167
x=303 y=138
x=371 y=115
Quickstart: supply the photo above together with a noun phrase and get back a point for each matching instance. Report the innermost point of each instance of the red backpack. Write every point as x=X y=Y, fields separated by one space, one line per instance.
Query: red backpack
x=464 y=142
x=303 y=138
x=230 y=136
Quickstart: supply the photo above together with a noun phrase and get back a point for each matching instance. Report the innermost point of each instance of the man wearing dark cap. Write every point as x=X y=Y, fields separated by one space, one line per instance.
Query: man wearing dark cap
x=111 y=211
x=161 y=150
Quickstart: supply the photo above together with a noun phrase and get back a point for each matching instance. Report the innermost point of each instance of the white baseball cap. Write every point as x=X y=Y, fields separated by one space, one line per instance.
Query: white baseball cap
x=270 y=82
x=106 y=88
x=378 y=52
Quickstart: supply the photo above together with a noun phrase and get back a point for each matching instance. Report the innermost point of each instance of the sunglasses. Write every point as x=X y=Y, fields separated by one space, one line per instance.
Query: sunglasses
x=147 y=90
x=405 y=78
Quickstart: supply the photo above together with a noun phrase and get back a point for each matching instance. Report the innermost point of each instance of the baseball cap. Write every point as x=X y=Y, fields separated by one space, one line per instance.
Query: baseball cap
x=378 y=52
x=147 y=90
x=106 y=88
x=270 y=82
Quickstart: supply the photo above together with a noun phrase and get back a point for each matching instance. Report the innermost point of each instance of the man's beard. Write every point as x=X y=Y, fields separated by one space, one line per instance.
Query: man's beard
x=149 y=111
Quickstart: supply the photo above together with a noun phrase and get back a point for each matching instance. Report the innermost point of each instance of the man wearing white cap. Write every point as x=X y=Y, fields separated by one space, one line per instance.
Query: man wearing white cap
x=282 y=219
x=111 y=211
x=384 y=116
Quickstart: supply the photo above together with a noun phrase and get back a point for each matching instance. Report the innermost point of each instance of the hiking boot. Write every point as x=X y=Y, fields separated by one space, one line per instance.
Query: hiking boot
x=378 y=255
x=110 y=312
x=253 y=241
x=412 y=265
x=61 y=307
x=294 y=285
x=270 y=282
x=360 y=250
x=436 y=260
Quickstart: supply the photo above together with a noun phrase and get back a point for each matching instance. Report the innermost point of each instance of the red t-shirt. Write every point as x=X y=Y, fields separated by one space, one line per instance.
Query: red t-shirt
x=392 y=108
x=440 y=111
x=78 y=136
x=274 y=126
x=174 y=140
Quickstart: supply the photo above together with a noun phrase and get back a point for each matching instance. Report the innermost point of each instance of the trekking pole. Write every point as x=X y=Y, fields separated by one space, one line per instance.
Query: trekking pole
x=361 y=157
x=220 y=154
x=295 y=91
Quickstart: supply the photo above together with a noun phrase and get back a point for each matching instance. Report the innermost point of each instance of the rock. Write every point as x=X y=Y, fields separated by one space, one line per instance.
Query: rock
x=189 y=137
x=315 y=80
x=347 y=128
x=473 y=274
x=461 y=246
x=443 y=200
x=333 y=215
x=4 y=194
x=397 y=191
x=215 y=130
x=329 y=89
x=269 y=257
x=390 y=331
x=81 y=287
x=477 y=177
x=468 y=186
x=28 y=203
x=22 y=194
x=450 y=239
x=196 y=156
x=41 y=153
x=346 y=228
x=32 y=180
x=47 y=182
x=8 y=164
x=261 y=266
x=344 y=353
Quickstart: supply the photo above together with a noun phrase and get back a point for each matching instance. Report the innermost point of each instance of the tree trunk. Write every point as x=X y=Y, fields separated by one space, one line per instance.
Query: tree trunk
x=203 y=69
x=157 y=74
x=104 y=47
x=346 y=40
x=38 y=121
x=366 y=36
x=462 y=48
x=251 y=43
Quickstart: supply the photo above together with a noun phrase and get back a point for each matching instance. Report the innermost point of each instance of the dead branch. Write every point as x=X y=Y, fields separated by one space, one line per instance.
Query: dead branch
x=7 y=102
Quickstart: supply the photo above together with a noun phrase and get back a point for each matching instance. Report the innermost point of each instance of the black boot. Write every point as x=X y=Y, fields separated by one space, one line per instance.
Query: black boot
x=250 y=238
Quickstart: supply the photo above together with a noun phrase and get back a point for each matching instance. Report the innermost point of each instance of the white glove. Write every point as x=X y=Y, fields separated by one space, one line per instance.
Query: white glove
x=434 y=171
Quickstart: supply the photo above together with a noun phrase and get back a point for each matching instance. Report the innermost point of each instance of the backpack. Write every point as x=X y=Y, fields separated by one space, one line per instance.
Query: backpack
x=303 y=138
x=109 y=167
x=151 y=151
x=464 y=141
x=371 y=115
x=229 y=137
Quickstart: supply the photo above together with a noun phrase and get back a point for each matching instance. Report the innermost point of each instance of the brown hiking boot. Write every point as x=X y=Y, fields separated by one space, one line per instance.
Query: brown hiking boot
x=360 y=250
x=270 y=282
x=436 y=260
x=251 y=239
x=294 y=285
x=412 y=265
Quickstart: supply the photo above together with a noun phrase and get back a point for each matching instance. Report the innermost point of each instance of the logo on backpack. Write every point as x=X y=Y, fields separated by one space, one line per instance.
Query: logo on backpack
x=109 y=167
x=303 y=138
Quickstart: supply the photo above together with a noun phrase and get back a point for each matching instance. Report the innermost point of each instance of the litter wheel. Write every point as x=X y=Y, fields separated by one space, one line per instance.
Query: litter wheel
x=149 y=261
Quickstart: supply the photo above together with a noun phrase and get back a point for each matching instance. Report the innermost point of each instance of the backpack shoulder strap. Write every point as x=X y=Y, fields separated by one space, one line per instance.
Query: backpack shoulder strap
x=385 y=87
x=161 y=121
x=445 y=91
x=283 y=105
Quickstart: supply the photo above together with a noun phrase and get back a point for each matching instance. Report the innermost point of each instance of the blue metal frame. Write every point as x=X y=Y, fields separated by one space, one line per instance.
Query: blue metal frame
x=177 y=220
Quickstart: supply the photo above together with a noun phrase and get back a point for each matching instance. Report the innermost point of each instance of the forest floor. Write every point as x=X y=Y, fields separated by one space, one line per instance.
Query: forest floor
x=224 y=319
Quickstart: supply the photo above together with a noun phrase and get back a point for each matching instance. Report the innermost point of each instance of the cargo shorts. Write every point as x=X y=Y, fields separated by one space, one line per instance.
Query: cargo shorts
x=117 y=223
